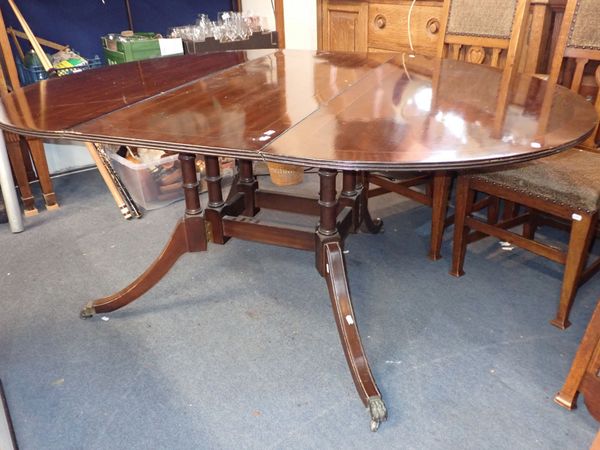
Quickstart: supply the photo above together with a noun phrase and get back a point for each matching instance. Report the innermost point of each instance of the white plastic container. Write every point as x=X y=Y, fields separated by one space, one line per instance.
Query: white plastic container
x=152 y=185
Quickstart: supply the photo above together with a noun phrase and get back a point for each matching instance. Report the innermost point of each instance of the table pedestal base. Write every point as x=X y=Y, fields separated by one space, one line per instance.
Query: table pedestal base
x=236 y=217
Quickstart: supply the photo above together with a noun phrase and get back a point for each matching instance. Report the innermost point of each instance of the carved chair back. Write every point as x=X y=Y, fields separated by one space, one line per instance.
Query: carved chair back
x=483 y=31
x=578 y=51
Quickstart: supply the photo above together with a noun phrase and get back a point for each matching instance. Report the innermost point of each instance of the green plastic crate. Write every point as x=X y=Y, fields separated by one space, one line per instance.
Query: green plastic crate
x=117 y=52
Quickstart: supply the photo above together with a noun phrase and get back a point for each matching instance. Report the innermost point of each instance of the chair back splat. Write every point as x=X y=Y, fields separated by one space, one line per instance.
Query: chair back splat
x=483 y=31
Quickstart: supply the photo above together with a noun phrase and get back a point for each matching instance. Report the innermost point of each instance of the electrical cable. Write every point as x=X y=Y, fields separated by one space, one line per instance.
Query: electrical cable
x=410 y=43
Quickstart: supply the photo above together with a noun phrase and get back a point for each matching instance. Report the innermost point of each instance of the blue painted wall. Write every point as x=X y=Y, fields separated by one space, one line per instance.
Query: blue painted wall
x=80 y=23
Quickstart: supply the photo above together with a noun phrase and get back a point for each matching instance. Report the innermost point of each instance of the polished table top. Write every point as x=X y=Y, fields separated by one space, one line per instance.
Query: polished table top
x=349 y=111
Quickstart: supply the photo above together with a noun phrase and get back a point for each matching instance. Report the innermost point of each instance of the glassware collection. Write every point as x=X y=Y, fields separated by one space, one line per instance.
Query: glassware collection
x=230 y=26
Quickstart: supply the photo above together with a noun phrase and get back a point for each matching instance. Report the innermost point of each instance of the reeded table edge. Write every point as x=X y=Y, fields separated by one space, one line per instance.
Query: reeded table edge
x=258 y=155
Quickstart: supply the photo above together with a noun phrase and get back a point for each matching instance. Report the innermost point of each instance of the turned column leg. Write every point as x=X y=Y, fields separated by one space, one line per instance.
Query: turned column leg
x=350 y=196
x=215 y=199
x=189 y=236
x=330 y=263
x=328 y=207
x=247 y=184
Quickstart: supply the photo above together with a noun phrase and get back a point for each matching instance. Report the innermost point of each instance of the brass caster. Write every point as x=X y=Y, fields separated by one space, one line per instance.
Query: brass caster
x=378 y=412
x=87 y=312
x=372 y=226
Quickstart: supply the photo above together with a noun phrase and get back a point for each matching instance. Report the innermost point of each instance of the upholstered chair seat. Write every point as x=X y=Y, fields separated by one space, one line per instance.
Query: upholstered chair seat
x=568 y=179
x=563 y=189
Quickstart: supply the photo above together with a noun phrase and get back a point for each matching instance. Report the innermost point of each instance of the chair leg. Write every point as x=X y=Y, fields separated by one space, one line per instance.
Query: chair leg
x=511 y=209
x=493 y=210
x=18 y=166
x=38 y=154
x=464 y=203
x=531 y=226
x=441 y=191
x=568 y=394
x=582 y=232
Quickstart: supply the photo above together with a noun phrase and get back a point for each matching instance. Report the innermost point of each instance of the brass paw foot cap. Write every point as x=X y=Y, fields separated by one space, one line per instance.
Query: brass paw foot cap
x=378 y=412
x=87 y=312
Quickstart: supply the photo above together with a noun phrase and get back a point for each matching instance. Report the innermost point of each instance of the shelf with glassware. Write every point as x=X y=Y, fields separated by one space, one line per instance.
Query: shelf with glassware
x=231 y=31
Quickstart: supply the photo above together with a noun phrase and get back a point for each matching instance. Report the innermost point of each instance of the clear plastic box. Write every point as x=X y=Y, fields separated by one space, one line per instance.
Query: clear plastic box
x=151 y=185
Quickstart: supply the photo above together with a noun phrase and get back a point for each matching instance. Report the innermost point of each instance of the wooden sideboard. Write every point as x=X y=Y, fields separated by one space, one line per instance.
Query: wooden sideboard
x=382 y=25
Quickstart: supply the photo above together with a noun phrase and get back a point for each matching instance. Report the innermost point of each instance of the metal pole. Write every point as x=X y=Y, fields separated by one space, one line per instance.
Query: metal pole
x=13 y=210
x=7 y=434
x=129 y=18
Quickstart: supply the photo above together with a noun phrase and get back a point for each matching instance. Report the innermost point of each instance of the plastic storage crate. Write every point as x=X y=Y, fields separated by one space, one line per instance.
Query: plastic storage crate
x=142 y=46
x=153 y=186
x=33 y=74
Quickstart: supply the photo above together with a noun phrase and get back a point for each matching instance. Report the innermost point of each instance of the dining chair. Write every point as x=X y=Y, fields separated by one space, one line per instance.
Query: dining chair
x=562 y=190
x=476 y=31
x=584 y=375
x=27 y=155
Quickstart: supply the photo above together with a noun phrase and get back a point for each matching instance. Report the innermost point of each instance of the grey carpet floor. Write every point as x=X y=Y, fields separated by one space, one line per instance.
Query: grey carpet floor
x=237 y=347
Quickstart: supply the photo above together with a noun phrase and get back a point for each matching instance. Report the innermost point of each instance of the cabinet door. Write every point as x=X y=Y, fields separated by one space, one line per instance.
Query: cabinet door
x=388 y=26
x=345 y=26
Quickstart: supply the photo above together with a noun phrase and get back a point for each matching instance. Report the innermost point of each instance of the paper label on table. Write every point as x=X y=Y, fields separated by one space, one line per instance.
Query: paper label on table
x=172 y=46
x=349 y=319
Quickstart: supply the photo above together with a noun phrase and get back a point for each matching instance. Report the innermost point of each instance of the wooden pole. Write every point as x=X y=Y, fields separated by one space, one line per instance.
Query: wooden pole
x=42 y=41
x=108 y=180
x=129 y=16
x=37 y=48
x=280 y=23
x=7 y=53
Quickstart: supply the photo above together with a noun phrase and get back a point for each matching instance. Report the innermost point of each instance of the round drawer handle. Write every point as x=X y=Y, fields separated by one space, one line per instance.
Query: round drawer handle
x=433 y=26
x=380 y=21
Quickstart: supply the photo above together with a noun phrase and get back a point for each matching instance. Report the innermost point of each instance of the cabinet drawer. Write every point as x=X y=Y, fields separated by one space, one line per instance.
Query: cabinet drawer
x=388 y=27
